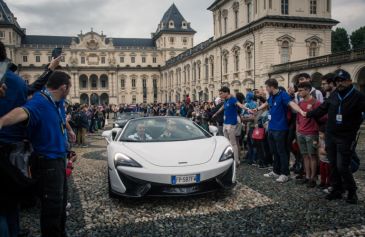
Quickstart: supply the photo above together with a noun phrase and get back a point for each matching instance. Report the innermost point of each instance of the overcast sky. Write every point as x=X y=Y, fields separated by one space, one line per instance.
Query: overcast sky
x=138 y=18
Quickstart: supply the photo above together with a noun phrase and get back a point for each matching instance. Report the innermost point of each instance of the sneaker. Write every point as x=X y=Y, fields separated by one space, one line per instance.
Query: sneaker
x=282 y=179
x=271 y=175
x=333 y=195
x=311 y=184
x=352 y=198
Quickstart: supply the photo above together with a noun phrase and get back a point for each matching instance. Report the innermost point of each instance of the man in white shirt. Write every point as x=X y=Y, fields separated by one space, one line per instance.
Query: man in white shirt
x=140 y=134
x=317 y=94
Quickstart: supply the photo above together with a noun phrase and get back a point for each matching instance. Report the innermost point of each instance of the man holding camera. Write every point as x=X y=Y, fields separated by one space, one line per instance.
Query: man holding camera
x=344 y=108
x=13 y=146
x=49 y=141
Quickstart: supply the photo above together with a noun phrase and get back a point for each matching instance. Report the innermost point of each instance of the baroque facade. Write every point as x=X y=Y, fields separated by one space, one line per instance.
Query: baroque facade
x=250 y=37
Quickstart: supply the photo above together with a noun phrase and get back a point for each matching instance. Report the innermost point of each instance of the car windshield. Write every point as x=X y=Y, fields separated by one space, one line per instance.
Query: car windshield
x=162 y=129
x=127 y=116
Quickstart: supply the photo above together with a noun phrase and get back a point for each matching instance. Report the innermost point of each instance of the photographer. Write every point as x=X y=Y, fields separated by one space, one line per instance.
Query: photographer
x=49 y=141
x=14 y=148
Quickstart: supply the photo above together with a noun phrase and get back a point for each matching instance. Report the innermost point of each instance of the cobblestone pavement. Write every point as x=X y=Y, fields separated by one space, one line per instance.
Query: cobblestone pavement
x=256 y=207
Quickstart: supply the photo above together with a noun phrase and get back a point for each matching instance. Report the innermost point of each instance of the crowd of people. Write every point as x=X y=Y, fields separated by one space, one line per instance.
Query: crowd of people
x=38 y=128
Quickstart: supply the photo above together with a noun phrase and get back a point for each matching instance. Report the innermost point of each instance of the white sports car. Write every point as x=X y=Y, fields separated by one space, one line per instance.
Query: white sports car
x=167 y=156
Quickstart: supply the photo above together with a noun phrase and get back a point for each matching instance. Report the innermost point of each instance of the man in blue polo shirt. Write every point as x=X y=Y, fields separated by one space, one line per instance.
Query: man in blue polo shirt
x=231 y=105
x=46 y=126
x=278 y=103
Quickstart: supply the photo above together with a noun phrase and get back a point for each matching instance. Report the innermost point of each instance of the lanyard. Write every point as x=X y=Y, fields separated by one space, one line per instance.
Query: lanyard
x=48 y=95
x=342 y=99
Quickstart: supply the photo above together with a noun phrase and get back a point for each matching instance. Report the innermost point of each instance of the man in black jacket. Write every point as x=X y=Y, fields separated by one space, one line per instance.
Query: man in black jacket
x=344 y=108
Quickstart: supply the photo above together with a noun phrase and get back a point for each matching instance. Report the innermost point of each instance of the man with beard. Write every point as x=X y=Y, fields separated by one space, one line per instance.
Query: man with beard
x=328 y=84
x=49 y=141
x=344 y=108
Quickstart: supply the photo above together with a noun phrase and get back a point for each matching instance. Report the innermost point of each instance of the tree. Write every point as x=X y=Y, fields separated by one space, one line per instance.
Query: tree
x=340 y=40
x=358 y=38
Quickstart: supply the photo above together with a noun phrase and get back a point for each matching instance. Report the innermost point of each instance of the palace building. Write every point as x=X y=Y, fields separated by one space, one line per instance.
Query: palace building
x=251 y=37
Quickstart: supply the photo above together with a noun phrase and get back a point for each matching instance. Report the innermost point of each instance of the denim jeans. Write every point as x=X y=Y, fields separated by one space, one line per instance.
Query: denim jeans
x=9 y=223
x=278 y=146
x=252 y=151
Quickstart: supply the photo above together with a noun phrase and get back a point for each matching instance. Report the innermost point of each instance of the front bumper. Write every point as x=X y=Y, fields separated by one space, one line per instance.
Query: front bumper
x=139 y=188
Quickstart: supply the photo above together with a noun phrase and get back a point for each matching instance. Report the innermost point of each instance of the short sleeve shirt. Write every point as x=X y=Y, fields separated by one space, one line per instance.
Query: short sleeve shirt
x=45 y=127
x=278 y=110
x=230 y=111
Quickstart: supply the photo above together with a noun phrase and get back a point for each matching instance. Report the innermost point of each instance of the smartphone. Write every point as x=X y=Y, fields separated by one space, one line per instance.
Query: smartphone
x=3 y=68
x=56 y=52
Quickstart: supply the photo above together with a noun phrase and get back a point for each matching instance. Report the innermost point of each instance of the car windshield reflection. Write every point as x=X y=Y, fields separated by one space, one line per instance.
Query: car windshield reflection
x=162 y=129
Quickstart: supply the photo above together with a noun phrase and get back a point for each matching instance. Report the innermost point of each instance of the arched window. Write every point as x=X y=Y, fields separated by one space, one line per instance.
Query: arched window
x=83 y=81
x=236 y=61
x=285 y=52
x=249 y=57
x=225 y=63
x=104 y=81
x=206 y=69
x=94 y=81
x=313 y=49
x=212 y=66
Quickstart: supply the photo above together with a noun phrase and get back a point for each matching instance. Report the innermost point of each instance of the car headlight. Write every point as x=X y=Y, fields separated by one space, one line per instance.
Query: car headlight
x=227 y=154
x=123 y=160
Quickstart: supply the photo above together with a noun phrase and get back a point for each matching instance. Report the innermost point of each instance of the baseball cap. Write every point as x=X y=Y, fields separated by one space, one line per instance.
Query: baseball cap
x=342 y=75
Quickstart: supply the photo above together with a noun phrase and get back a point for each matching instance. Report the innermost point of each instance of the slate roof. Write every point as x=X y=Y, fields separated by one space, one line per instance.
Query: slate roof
x=67 y=40
x=8 y=17
x=173 y=14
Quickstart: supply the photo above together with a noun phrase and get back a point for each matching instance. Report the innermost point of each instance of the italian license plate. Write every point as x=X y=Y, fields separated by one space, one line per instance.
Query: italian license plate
x=185 y=179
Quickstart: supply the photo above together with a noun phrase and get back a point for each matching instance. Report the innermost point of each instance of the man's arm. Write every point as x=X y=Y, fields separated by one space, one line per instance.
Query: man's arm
x=219 y=111
x=43 y=79
x=319 y=112
x=296 y=108
x=261 y=107
x=242 y=106
x=15 y=116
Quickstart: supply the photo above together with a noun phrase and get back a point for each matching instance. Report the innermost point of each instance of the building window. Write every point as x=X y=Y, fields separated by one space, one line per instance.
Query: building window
x=2 y=34
x=94 y=82
x=185 y=40
x=249 y=58
x=313 y=7
x=225 y=63
x=134 y=83
x=172 y=40
x=264 y=4
x=256 y=6
x=236 y=19
x=143 y=59
x=154 y=60
x=328 y=5
x=122 y=83
x=236 y=62
x=104 y=81
x=121 y=59
x=25 y=59
x=270 y=4
x=37 y=59
x=285 y=7
x=225 y=25
x=102 y=60
x=134 y=99
x=313 y=49
x=133 y=59
x=212 y=67
x=155 y=90
x=82 y=60
x=249 y=12
x=206 y=69
x=285 y=52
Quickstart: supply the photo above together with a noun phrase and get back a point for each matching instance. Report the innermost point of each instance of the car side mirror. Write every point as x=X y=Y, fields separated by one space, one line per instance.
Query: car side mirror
x=213 y=130
x=107 y=135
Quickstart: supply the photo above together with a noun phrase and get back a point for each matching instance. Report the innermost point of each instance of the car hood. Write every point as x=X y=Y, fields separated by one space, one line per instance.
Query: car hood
x=175 y=154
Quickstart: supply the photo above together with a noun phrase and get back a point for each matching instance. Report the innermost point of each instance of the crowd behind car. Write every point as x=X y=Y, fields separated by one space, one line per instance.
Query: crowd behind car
x=38 y=129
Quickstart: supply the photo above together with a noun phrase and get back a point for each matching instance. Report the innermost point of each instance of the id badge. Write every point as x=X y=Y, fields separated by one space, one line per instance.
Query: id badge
x=269 y=117
x=339 y=118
